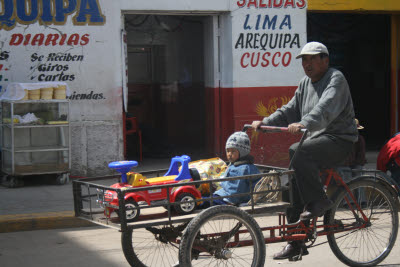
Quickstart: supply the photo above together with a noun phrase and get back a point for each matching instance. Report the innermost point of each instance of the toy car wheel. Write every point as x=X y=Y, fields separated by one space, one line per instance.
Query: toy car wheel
x=186 y=207
x=131 y=214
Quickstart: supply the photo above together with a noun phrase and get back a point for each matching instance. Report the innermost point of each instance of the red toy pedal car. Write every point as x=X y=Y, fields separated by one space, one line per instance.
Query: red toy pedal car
x=185 y=194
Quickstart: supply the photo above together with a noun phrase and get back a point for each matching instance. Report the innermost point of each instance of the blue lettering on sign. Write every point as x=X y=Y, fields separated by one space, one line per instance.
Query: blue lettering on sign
x=22 y=11
x=6 y=19
x=50 y=12
x=91 y=9
x=63 y=11
x=266 y=22
x=46 y=14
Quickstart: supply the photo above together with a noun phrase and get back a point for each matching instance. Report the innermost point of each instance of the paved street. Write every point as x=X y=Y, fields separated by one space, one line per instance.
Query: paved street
x=43 y=206
x=99 y=246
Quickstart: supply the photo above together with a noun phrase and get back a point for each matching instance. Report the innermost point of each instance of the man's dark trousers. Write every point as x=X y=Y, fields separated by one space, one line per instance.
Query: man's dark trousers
x=315 y=154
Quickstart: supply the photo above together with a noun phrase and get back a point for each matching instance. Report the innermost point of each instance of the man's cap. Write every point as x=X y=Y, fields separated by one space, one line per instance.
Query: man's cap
x=240 y=141
x=313 y=48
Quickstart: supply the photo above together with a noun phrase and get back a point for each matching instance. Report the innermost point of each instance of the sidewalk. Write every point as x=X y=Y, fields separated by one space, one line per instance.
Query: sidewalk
x=39 y=206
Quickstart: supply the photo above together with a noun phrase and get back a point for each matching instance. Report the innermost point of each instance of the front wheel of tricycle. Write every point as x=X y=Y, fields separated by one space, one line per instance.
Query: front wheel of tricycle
x=356 y=241
x=222 y=236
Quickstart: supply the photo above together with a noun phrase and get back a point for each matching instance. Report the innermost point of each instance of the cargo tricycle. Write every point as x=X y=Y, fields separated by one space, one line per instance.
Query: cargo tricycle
x=360 y=231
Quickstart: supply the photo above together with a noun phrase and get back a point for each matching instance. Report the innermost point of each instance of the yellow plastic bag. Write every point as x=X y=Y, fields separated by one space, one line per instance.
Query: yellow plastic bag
x=209 y=169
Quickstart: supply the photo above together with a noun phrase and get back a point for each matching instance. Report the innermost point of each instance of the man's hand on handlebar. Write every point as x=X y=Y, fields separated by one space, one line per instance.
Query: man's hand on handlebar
x=295 y=127
x=292 y=128
x=256 y=125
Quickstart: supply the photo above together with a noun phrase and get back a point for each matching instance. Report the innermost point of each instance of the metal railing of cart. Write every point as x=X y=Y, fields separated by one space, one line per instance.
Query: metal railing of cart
x=86 y=192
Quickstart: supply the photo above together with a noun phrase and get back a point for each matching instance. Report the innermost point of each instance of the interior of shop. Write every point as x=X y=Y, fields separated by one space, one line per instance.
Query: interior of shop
x=359 y=46
x=166 y=85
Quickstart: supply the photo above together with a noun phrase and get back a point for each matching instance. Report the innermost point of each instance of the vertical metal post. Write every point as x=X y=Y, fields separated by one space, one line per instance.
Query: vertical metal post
x=252 y=195
x=122 y=210
x=77 y=193
x=169 y=204
x=12 y=139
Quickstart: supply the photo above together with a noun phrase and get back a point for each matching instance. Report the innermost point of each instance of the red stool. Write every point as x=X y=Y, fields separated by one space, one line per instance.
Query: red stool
x=132 y=127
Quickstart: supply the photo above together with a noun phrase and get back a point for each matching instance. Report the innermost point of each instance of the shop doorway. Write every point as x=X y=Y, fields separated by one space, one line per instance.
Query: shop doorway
x=166 y=90
x=359 y=46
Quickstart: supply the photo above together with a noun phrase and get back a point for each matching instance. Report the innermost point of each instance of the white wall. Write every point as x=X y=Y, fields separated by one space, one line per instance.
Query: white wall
x=192 y=6
x=211 y=59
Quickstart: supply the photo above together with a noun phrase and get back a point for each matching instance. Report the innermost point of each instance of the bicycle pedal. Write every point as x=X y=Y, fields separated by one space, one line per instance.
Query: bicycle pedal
x=296 y=258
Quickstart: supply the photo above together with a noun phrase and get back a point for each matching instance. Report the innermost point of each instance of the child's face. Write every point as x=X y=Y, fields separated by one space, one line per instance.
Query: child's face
x=232 y=154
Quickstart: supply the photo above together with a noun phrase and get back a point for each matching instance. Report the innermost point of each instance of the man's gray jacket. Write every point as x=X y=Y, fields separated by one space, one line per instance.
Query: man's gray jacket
x=323 y=107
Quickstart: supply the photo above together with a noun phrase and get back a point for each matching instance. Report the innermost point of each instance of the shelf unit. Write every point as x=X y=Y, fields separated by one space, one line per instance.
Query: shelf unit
x=39 y=147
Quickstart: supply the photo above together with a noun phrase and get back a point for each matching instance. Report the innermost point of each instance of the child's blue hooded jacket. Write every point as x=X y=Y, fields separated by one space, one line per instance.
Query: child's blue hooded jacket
x=243 y=166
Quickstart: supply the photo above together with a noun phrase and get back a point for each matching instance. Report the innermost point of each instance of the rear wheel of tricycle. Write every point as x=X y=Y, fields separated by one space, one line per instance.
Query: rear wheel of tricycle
x=188 y=205
x=222 y=236
x=132 y=210
x=359 y=242
x=154 y=246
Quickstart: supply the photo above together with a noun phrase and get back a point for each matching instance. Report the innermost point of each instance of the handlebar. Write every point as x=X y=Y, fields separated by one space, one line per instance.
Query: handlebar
x=273 y=129
x=270 y=129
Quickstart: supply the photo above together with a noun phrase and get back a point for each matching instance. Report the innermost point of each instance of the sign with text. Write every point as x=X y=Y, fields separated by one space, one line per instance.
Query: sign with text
x=267 y=36
x=64 y=41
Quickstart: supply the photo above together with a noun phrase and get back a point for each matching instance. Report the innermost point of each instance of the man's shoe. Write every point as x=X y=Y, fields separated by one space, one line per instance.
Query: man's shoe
x=291 y=250
x=316 y=209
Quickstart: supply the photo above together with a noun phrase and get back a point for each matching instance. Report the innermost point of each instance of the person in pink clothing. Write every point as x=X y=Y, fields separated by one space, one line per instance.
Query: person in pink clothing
x=389 y=158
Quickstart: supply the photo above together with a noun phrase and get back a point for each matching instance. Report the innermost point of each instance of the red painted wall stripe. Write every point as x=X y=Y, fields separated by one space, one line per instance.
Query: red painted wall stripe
x=239 y=106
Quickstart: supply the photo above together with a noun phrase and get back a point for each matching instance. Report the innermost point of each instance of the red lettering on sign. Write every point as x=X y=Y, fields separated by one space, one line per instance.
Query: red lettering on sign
x=49 y=39
x=38 y=39
x=262 y=4
x=252 y=3
x=254 y=64
x=287 y=57
x=271 y=3
x=289 y=3
x=265 y=62
x=278 y=3
x=241 y=3
x=241 y=61
x=16 y=39
x=255 y=59
x=273 y=59
x=27 y=39
x=84 y=39
x=63 y=38
x=301 y=4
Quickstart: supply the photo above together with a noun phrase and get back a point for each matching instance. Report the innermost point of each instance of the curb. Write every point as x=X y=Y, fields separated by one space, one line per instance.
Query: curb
x=41 y=221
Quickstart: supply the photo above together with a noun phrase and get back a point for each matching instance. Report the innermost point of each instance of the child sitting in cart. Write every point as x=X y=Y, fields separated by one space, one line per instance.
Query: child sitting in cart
x=240 y=163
